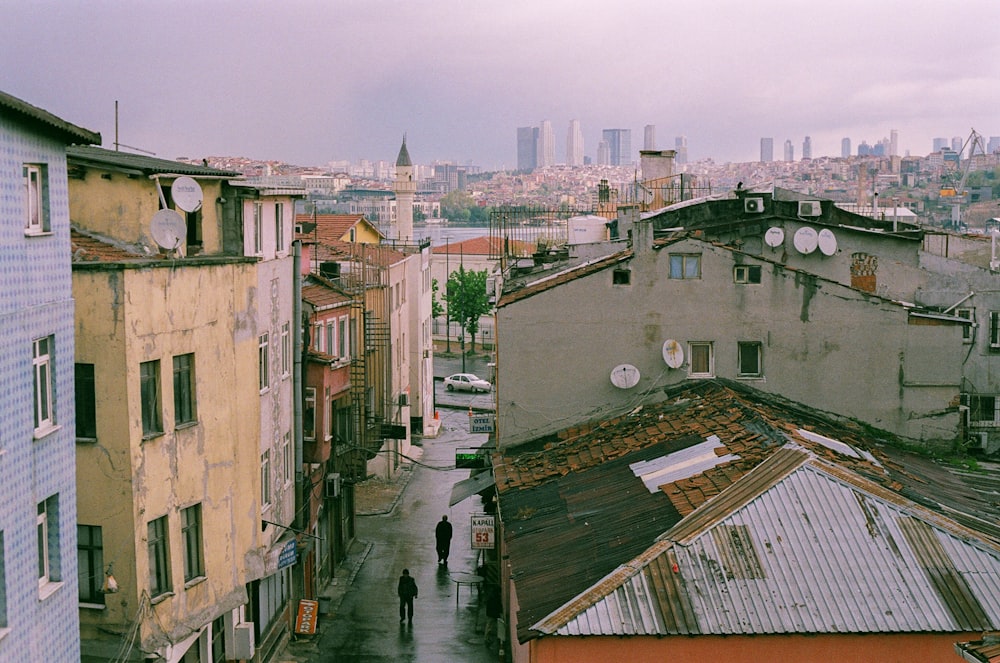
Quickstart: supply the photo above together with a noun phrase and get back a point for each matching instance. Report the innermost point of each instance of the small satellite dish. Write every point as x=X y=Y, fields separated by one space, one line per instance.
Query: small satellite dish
x=673 y=354
x=827 y=242
x=805 y=240
x=168 y=229
x=625 y=376
x=186 y=193
x=774 y=236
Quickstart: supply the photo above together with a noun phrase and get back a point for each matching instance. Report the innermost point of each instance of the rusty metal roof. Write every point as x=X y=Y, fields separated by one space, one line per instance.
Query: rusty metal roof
x=577 y=512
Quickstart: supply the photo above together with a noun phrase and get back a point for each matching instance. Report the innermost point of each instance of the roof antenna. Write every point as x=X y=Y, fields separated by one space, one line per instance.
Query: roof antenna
x=117 y=144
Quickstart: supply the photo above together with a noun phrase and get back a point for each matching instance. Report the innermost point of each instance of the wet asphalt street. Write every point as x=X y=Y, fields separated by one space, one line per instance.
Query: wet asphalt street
x=365 y=627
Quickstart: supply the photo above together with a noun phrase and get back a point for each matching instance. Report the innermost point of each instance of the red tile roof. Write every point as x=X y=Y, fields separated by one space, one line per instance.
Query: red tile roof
x=88 y=248
x=485 y=246
x=330 y=227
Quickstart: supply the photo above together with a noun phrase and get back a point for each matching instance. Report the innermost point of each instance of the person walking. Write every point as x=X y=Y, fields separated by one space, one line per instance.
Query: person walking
x=442 y=536
x=407 y=591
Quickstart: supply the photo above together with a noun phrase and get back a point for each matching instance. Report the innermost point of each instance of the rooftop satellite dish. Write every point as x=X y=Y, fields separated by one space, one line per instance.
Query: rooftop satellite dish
x=673 y=354
x=186 y=193
x=625 y=376
x=774 y=237
x=805 y=240
x=827 y=242
x=168 y=229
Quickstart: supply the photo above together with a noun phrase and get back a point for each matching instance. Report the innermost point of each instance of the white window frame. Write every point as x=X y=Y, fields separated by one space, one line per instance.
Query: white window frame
x=343 y=336
x=743 y=274
x=258 y=228
x=44 y=394
x=689 y=263
x=288 y=456
x=265 y=480
x=263 y=356
x=36 y=213
x=279 y=227
x=758 y=347
x=331 y=337
x=49 y=560
x=701 y=345
x=286 y=349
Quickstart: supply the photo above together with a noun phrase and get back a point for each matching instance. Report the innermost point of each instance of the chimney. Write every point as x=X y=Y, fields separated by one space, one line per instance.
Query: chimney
x=656 y=164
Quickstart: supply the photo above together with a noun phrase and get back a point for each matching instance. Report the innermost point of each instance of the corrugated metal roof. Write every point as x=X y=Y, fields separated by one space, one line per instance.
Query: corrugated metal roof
x=67 y=131
x=808 y=553
x=147 y=165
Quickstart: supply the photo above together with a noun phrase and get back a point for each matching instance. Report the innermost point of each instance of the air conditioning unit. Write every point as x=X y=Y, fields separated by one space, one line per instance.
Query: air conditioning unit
x=333 y=484
x=243 y=643
x=810 y=208
x=979 y=440
x=753 y=205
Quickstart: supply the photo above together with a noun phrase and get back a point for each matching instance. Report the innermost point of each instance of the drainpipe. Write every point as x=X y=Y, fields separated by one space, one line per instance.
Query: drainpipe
x=297 y=377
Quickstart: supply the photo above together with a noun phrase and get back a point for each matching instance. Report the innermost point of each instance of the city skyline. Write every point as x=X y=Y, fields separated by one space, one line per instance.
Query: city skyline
x=458 y=79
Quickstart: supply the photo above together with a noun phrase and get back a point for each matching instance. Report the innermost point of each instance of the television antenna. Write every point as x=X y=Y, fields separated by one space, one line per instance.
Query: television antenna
x=117 y=144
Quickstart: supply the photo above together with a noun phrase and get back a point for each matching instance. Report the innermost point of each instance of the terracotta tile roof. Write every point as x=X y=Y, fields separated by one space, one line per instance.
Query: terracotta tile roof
x=331 y=228
x=373 y=254
x=323 y=296
x=485 y=246
x=90 y=248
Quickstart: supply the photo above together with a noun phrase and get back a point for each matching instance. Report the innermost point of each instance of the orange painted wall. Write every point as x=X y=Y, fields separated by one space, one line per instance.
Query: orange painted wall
x=880 y=648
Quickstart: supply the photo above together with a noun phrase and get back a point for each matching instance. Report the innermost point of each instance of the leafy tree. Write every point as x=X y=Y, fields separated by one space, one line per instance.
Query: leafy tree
x=437 y=308
x=418 y=215
x=467 y=301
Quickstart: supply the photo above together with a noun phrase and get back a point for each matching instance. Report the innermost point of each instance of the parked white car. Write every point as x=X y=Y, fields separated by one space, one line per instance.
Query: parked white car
x=466 y=382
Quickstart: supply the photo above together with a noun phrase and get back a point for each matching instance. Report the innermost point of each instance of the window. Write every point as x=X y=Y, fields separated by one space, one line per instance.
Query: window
x=90 y=563
x=184 y=387
x=3 y=587
x=47 y=525
x=279 y=227
x=265 y=479
x=318 y=337
x=621 y=277
x=149 y=393
x=258 y=228
x=36 y=217
x=262 y=355
x=42 y=365
x=342 y=351
x=194 y=566
x=995 y=330
x=702 y=363
x=685 y=266
x=309 y=415
x=331 y=346
x=968 y=331
x=286 y=350
x=86 y=401
x=287 y=455
x=982 y=409
x=746 y=274
x=159 y=557
x=749 y=359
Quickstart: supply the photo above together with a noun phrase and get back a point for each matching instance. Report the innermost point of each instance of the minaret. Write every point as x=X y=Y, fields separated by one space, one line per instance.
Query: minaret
x=405 y=188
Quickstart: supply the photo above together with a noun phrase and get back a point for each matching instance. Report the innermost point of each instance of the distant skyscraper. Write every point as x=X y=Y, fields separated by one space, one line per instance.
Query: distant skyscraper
x=807 y=148
x=993 y=145
x=619 y=146
x=603 y=153
x=940 y=144
x=789 y=150
x=574 y=144
x=681 y=146
x=956 y=145
x=527 y=153
x=766 y=149
x=894 y=143
x=546 y=145
x=845 y=147
x=649 y=137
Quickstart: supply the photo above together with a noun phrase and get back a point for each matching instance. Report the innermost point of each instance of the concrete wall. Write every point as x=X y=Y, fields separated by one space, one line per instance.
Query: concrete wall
x=828 y=346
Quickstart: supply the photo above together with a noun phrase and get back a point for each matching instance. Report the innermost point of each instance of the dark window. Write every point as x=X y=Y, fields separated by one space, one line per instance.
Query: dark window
x=621 y=277
x=749 y=360
x=86 y=401
x=746 y=274
x=149 y=394
x=184 y=400
x=159 y=560
x=90 y=563
x=194 y=566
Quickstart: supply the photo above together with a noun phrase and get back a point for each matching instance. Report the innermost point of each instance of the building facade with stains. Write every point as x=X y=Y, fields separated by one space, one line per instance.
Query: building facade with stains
x=38 y=560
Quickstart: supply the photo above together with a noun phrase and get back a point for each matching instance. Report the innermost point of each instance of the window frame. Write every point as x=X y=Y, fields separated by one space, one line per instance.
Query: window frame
x=185 y=384
x=47 y=530
x=747 y=274
x=158 y=551
x=968 y=331
x=758 y=350
x=264 y=359
x=309 y=414
x=36 y=207
x=85 y=392
x=150 y=398
x=266 y=494
x=343 y=336
x=42 y=362
x=258 y=228
x=620 y=276
x=288 y=457
x=685 y=266
x=3 y=588
x=995 y=330
x=707 y=347
x=279 y=227
x=193 y=539
x=286 y=349
x=90 y=564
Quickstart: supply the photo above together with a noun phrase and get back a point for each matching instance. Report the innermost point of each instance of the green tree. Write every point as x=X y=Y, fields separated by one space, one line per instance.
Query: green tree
x=437 y=308
x=467 y=301
x=457 y=206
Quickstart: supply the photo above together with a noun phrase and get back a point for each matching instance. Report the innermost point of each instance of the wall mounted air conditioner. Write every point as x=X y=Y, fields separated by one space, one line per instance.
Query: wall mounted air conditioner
x=243 y=643
x=753 y=205
x=979 y=440
x=810 y=208
x=333 y=484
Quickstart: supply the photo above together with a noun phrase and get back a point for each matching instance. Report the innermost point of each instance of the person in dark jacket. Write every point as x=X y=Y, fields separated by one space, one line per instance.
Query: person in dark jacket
x=442 y=535
x=407 y=591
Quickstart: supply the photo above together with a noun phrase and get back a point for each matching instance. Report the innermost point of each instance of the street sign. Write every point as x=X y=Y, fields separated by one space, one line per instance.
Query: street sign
x=481 y=423
x=305 y=620
x=287 y=555
x=483 y=532
x=473 y=459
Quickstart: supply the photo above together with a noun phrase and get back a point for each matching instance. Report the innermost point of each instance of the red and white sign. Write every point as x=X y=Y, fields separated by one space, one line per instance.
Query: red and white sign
x=483 y=532
x=305 y=620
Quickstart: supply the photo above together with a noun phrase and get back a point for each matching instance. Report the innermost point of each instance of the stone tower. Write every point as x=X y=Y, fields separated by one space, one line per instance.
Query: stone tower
x=406 y=188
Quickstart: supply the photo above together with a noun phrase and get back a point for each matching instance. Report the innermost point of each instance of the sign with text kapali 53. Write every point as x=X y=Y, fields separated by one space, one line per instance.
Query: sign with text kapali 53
x=483 y=532
x=481 y=423
x=305 y=619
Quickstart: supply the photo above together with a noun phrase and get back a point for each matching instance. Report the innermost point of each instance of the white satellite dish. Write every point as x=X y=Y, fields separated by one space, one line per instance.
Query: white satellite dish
x=186 y=193
x=774 y=237
x=673 y=354
x=827 y=242
x=168 y=229
x=625 y=376
x=805 y=240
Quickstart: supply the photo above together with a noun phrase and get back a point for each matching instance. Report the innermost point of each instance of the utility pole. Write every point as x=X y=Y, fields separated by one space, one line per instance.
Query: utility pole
x=447 y=293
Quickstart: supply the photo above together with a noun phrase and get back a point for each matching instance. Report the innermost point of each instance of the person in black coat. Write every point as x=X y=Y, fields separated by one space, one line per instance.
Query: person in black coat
x=407 y=591
x=442 y=535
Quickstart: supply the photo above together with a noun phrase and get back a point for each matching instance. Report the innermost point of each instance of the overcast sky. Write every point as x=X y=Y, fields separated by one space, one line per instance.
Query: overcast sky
x=311 y=81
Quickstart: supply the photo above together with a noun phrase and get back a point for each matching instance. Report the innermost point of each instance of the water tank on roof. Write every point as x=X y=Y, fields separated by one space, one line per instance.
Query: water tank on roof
x=587 y=229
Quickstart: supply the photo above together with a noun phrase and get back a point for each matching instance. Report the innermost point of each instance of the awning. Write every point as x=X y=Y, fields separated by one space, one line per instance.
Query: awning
x=474 y=484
